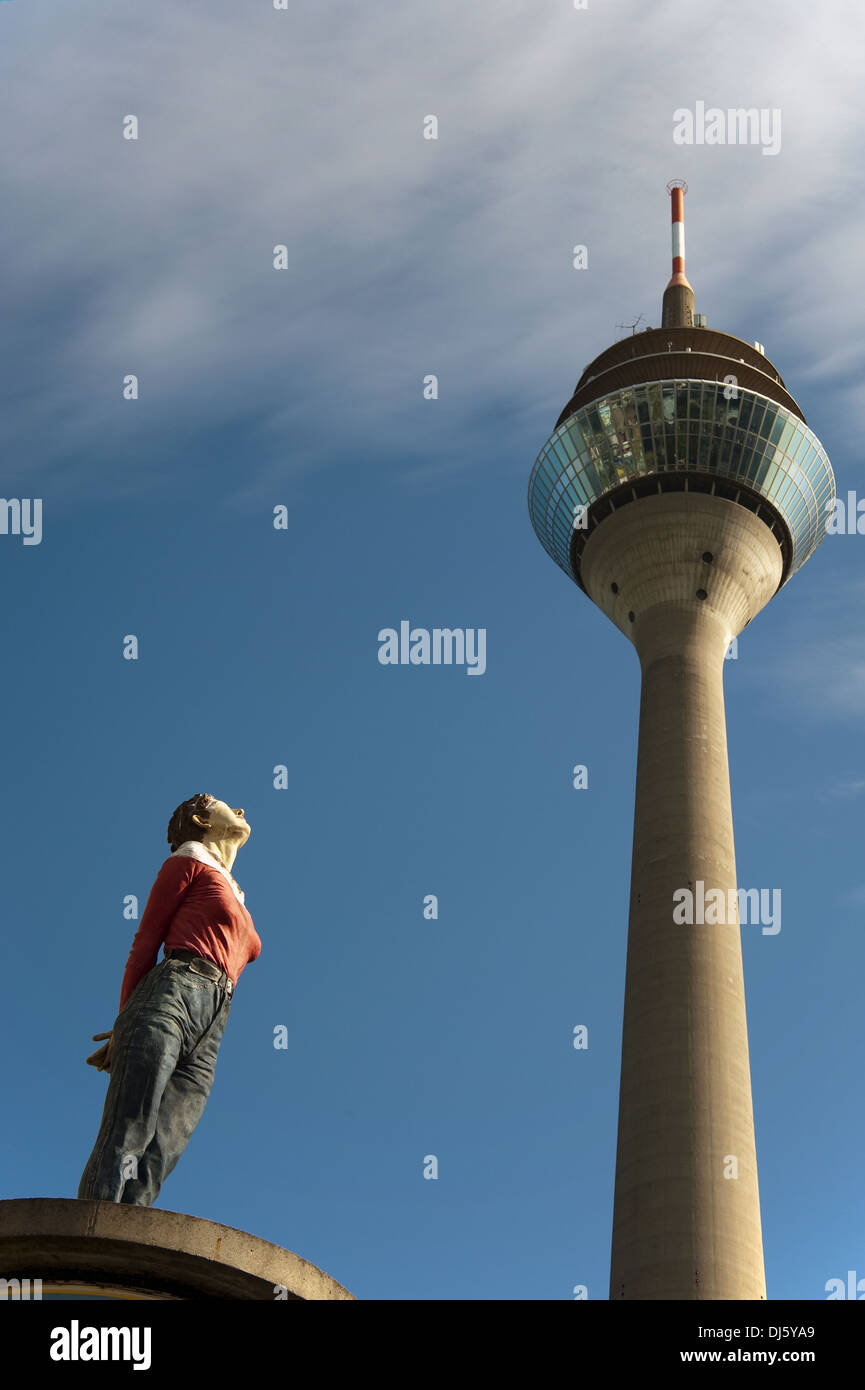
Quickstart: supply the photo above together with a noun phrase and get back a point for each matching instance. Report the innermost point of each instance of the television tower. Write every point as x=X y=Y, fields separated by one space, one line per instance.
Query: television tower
x=681 y=489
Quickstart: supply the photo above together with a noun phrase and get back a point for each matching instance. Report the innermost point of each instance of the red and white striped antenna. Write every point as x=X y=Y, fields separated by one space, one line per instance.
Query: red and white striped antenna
x=677 y=188
x=678 y=309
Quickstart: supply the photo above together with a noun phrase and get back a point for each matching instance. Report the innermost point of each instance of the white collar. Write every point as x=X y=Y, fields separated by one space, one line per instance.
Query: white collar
x=194 y=849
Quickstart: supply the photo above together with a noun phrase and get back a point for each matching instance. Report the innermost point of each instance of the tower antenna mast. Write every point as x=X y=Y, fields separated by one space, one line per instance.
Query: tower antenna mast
x=678 y=310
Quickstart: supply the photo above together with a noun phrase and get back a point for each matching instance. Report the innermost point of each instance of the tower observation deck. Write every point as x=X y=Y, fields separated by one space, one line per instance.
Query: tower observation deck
x=680 y=409
x=680 y=489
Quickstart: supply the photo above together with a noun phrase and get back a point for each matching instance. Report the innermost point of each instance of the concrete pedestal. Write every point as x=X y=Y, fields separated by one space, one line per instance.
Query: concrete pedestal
x=130 y=1252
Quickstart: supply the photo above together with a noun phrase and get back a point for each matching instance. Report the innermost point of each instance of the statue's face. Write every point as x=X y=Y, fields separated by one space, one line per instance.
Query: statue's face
x=225 y=822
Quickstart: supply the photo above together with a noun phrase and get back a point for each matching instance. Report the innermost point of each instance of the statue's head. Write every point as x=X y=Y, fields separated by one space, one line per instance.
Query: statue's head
x=204 y=817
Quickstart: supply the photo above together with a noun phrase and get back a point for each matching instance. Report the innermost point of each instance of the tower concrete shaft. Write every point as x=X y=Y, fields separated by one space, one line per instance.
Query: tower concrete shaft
x=686 y=1221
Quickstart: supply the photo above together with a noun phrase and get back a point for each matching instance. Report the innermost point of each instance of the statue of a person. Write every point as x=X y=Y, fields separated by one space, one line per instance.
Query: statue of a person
x=161 y=1052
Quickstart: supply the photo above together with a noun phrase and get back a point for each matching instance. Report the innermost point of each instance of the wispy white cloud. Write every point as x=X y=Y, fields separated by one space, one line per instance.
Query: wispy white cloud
x=407 y=256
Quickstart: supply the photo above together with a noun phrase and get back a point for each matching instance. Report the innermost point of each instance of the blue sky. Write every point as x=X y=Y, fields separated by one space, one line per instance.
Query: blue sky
x=258 y=647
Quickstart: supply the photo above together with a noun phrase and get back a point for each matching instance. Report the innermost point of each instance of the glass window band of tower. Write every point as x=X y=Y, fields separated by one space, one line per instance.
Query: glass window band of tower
x=690 y=428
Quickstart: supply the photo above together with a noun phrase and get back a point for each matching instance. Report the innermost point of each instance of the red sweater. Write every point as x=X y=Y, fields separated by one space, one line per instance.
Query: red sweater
x=192 y=907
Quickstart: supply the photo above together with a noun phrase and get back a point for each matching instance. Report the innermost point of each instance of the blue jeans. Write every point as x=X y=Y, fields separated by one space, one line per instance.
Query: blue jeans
x=163 y=1059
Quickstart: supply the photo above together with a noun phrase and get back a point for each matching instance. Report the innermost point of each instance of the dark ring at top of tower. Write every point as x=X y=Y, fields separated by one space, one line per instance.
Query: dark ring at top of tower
x=658 y=354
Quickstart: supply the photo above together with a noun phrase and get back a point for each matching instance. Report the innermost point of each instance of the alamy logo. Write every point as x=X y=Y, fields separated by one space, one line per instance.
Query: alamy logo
x=717 y=908
x=845 y=520
x=835 y=1288
x=22 y=516
x=443 y=646
x=736 y=126
x=77 y=1343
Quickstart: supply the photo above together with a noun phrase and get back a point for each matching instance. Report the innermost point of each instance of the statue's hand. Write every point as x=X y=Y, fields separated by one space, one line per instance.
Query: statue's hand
x=101 y=1059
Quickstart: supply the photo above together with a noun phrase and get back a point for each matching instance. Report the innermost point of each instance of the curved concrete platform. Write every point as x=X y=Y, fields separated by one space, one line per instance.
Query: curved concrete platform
x=117 y=1250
